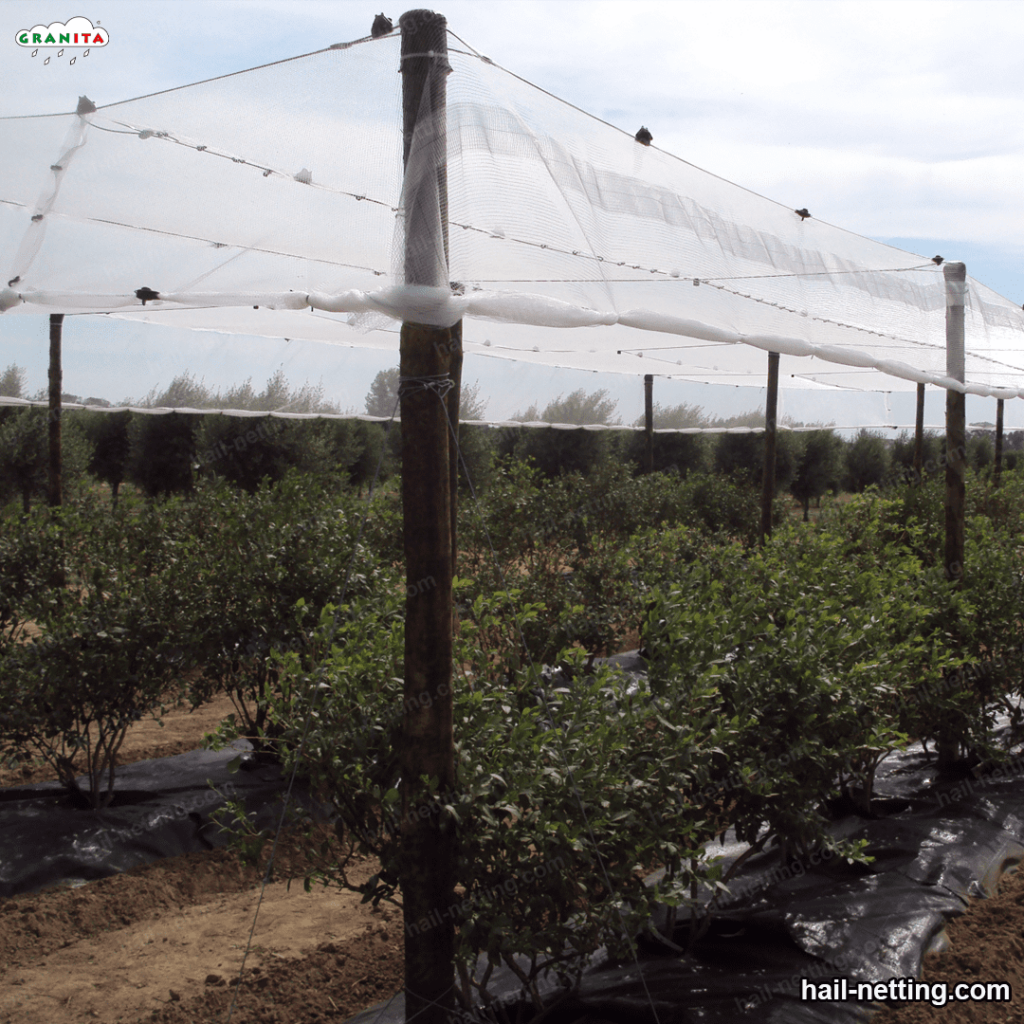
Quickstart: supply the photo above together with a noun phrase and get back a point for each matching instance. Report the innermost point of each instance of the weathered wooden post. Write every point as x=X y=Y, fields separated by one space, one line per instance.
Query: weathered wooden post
x=649 y=423
x=452 y=402
x=956 y=439
x=956 y=453
x=998 y=474
x=428 y=842
x=919 y=437
x=768 y=476
x=56 y=377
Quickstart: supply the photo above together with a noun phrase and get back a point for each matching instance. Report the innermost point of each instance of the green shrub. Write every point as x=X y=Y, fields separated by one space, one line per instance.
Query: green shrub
x=107 y=652
x=563 y=796
x=261 y=554
x=31 y=561
x=780 y=677
x=559 y=544
x=819 y=636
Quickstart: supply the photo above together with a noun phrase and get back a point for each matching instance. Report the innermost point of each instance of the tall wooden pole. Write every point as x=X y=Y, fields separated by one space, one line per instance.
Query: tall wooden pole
x=452 y=402
x=649 y=423
x=427 y=837
x=999 y=442
x=956 y=421
x=56 y=377
x=956 y=455
x=768 y=476
x=919 y=437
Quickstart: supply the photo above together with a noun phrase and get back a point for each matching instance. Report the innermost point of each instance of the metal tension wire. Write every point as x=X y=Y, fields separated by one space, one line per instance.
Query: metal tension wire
x=439 y=383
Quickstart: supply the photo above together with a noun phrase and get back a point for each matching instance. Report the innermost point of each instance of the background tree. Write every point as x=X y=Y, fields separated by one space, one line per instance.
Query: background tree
x=867 y=462
x=477 y=443
x=383 y=395
x=107 y=433
x=750 y=418
x=981 y=451
x=819 y=466
x=24 y=454
x=565 y=451
x=370 y=441
x=165 y=449
x=678 y=416
x=902 y=454
x=162 y=448
x=680 y=453
x=248 y=450
x=578 y=407
x=382 y=400
x=12 y=382
x=245 y=451
x=744 y=459
x=184 y=392
x=162 y=451
x=741 y=456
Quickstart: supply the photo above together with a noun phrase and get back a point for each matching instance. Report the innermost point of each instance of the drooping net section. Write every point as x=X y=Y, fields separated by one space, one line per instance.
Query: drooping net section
x=272 y=203
x=253 y=189
x=553 y=202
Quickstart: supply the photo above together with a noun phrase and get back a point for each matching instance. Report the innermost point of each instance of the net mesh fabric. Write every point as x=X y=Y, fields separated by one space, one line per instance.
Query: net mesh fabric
x=570 y=244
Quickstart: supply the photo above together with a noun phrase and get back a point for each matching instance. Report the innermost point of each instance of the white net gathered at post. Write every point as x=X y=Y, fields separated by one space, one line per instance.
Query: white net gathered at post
x=270 y=204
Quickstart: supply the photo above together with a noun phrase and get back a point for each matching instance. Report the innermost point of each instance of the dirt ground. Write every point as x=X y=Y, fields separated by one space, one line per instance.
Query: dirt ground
x=163 y=944
x=986 y=945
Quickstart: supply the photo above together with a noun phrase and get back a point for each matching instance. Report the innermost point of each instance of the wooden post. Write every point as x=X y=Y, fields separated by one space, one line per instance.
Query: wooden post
x=428 y=847
x=956 y=456
x=56 y=377
x=919 y=436
x=998 y=475
x=768 y=476
x=649 y=422
x=956 y=434
x=452 y=402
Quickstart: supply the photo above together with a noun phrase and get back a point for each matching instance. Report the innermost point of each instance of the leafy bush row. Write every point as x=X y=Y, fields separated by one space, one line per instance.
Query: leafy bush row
x=108 y=615
x=780 y=676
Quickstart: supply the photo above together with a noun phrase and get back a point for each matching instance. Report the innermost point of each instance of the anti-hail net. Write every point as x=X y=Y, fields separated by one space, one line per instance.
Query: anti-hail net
x=269 y=204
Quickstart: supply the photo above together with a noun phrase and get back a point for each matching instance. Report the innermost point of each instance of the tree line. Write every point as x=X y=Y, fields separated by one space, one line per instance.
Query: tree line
x=163 y=454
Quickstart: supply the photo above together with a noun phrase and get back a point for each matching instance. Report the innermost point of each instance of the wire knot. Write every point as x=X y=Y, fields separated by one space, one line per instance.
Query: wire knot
x=439 y=383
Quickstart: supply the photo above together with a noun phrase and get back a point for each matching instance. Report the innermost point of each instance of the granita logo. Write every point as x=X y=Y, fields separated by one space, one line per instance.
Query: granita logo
x=78 y=32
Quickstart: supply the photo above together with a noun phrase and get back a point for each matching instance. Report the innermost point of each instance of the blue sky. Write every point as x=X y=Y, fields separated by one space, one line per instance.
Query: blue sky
x=903 y=121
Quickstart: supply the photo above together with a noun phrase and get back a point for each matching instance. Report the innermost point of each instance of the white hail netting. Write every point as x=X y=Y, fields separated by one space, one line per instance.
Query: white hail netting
x=282 y=188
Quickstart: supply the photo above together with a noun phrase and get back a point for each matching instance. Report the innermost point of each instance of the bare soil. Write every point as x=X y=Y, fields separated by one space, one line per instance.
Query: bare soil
x=985 y=945
x=164 y=943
